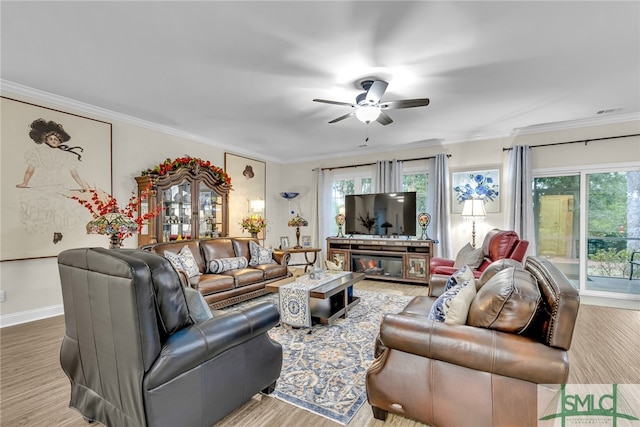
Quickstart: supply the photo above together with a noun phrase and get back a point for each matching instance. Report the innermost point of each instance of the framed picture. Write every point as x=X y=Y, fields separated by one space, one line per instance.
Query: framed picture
x=483 y=183
x=248 y=178
x=49 y=156
x=306 y=241
x=284 y=242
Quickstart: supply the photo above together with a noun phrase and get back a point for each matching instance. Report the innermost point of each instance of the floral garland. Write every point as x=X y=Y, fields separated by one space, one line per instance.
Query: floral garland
x=253 y=223
x=188 y=162
x=101 y=203
x=477 y=187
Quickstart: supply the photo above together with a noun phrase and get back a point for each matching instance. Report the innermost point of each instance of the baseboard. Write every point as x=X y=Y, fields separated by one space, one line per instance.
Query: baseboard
x=30 y=315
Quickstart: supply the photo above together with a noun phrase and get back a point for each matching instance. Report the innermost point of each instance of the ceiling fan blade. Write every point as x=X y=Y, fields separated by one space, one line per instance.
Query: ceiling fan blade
x=405 y=103
x=375 y=92
x=326 y=101
x=384 y=118
x=342 y=117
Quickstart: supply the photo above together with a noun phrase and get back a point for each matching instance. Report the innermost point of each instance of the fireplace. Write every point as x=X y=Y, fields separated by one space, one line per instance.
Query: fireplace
x=377 y=265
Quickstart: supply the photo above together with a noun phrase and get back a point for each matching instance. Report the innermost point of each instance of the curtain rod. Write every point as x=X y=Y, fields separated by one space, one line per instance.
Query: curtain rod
x=373 y=163
x=574 y=142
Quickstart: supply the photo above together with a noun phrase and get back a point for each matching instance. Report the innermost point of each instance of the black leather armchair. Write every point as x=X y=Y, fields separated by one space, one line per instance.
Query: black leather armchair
x=134 y=355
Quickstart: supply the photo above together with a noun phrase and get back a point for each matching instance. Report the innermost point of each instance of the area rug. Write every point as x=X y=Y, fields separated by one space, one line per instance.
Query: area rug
x=325 y=365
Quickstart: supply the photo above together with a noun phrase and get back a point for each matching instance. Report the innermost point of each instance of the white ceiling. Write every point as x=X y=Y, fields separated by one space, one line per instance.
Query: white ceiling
x=242 y=74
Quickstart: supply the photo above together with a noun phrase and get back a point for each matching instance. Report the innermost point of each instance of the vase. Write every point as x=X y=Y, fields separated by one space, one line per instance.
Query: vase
x=254 y=235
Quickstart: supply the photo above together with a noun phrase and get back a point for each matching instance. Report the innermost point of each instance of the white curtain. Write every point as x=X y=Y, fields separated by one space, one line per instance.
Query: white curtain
x=519 y=193
x=439 y=205
x=322 y=220
x=387 y=176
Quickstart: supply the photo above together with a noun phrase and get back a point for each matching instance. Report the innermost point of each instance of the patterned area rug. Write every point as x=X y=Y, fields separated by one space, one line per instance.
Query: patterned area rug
x=324 y=366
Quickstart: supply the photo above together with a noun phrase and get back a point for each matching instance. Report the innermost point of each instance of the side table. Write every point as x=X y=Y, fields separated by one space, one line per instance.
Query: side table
x=310 y=256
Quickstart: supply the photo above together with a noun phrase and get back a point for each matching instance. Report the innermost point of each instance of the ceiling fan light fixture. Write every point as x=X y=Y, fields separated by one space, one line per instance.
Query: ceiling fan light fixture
x=368 y=113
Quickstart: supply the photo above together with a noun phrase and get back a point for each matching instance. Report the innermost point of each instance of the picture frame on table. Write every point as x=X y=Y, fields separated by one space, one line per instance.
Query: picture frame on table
x=306 y=241
x=489 y=181
x=284 y=242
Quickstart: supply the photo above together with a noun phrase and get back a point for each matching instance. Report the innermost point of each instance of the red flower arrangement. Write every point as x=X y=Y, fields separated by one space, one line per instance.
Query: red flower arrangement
x=188 y=162
x=101 y=203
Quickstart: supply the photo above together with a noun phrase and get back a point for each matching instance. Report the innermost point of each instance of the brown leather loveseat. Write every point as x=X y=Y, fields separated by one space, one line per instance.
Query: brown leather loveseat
x=226 y=286
x=485 y=371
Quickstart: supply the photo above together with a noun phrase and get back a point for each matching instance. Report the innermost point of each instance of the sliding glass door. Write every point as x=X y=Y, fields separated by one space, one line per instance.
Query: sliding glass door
x=588 y=224
x=612 y=228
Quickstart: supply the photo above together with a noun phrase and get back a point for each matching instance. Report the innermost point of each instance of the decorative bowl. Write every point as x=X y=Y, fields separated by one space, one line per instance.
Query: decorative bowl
x=289 y=195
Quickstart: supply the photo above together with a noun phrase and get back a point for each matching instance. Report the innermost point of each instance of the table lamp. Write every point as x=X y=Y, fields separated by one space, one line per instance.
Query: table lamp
x=297 y=222
x=114 y=224
x=473 y=210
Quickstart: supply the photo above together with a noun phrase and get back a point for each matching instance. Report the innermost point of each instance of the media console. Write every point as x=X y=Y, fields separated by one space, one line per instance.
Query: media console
x=397 y=260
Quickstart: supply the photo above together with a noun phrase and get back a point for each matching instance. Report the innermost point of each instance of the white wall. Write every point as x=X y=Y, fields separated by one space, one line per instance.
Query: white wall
x=32 y=286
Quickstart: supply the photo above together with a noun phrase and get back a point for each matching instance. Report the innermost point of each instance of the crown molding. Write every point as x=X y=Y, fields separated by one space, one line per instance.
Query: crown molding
x=8 y=88
x=578 y=123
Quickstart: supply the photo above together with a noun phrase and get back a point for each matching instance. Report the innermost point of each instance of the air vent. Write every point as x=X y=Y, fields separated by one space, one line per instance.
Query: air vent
x=609 y=110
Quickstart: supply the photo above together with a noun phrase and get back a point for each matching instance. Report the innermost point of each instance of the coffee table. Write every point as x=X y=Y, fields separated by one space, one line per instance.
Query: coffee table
x=334 y=299
x=327 y=301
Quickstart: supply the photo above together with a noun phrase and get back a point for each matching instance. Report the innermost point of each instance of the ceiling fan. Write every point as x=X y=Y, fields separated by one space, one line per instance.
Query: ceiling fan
x=368 y=107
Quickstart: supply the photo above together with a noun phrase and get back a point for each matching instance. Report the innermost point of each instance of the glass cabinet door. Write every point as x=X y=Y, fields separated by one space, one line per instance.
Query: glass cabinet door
x=209 y=212
x=176 y=221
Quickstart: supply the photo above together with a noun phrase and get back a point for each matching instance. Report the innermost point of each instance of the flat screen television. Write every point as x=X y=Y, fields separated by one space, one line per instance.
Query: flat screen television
x=381 y=214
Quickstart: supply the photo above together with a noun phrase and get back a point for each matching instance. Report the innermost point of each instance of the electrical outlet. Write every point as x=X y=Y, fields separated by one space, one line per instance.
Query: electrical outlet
x=3 y=295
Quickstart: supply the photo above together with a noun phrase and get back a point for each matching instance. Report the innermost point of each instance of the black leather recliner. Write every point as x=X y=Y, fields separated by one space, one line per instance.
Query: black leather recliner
x=134 y=355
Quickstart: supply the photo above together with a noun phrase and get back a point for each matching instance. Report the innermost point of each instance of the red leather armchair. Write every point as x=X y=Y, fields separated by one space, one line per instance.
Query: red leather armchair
x=498 y=244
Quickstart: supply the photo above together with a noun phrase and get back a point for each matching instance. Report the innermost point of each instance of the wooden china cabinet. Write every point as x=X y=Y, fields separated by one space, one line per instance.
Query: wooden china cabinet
x=193 y=203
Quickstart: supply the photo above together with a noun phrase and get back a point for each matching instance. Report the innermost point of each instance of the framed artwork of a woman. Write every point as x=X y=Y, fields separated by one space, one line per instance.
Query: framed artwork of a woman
x=49 y=156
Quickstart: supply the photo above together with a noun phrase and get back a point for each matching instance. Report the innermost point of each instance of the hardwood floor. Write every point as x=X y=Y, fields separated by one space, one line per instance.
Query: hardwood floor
x=34 y=391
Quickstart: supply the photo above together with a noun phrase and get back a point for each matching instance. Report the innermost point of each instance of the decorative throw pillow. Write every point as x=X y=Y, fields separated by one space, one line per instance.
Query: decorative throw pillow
x=260 y=255
x=225 y=264
x=459 y=305
x=189 y=262
x=198 y=307
x=453 y=305
x=174 y=259
x=509 y=302
x=461 y=275
x=469 y=256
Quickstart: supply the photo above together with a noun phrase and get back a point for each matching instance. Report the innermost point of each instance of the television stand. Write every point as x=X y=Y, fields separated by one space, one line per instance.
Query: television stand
x=392 y=259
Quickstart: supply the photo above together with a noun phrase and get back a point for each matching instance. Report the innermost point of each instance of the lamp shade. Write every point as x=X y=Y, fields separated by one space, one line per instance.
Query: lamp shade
x=112 y=223
x=298 y=221
x=367 y=113
x=473 y=209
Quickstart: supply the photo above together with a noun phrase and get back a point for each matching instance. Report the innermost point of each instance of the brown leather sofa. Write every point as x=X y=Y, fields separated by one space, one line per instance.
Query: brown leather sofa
x=459 y=375
x=497 y=244
x=229 y=287
x=134 y=355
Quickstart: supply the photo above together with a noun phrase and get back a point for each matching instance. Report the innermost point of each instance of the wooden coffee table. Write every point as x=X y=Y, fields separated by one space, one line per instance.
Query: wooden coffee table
x=334 y=299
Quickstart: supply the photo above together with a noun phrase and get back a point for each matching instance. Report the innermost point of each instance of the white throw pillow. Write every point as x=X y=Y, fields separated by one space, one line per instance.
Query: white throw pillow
x=174 y=259
x=460 y=304
x=189 y=262
x=453 y=305
x=460 y=276
x=260 y=255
